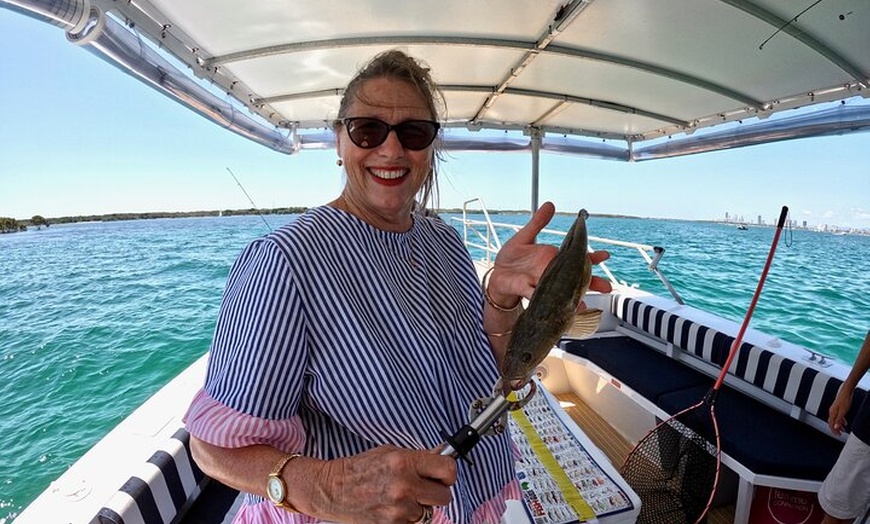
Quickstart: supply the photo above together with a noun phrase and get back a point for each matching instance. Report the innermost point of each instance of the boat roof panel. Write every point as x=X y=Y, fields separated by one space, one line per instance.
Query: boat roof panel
x=311 y=112
x=603 y=122
x=255 y=25
x=610 y=83
x=628 y=70
x=298 y=73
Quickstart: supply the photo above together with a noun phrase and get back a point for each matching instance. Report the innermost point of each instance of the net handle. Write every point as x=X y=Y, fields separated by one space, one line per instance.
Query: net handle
x=737 y=341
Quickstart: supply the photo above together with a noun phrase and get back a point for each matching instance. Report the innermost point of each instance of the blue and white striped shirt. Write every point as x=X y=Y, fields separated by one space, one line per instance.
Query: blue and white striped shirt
x=369 y=337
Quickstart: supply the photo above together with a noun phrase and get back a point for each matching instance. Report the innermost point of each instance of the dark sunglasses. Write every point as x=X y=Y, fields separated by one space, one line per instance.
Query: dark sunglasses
x=369 y=133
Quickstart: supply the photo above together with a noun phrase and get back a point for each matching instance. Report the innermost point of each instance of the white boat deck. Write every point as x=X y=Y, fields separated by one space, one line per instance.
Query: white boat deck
x=78 y=494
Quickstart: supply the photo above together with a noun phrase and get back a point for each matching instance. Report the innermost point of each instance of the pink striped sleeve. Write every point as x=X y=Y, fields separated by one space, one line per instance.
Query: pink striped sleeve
x=493 y=509
x=209 y=420
x=267 y=513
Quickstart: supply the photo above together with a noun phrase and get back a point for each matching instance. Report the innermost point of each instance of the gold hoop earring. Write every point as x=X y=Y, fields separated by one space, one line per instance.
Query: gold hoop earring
x=339 y=163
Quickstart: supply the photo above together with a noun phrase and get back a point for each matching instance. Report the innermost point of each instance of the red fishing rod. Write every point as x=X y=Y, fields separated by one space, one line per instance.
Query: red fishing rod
x=674 y=469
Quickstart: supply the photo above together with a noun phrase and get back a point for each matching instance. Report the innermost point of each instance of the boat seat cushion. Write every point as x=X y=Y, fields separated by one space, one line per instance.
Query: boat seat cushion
x=794 y=381
x=646 y=371
x=766 y=441
x=160 y=490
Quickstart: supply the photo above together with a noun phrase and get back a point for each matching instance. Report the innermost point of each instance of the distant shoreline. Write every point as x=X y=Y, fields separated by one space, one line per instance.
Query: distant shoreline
x=112 y=217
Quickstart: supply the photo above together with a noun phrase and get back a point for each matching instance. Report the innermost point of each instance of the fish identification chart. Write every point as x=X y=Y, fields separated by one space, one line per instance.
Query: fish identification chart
x=561 y=481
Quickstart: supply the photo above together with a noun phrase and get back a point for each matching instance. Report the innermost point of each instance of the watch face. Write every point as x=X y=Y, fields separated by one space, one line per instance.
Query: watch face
x=275 y=490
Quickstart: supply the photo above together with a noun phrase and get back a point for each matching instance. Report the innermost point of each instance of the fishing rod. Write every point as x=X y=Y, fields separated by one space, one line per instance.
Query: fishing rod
x=251 y=200
x=675 y=467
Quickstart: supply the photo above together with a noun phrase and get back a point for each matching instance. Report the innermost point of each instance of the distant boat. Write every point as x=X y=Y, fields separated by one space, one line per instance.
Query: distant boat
x=742 y=227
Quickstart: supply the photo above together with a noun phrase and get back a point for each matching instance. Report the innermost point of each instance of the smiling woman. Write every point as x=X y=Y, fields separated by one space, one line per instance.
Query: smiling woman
x=385 y=127
x=385 y=178
x=323 y=407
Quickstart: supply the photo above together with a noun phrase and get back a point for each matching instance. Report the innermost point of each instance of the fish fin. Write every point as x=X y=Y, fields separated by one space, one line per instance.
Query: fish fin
x=584 y=324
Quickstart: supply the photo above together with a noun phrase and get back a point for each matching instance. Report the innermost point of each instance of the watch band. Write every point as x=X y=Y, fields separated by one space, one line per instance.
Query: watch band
x=276 y=473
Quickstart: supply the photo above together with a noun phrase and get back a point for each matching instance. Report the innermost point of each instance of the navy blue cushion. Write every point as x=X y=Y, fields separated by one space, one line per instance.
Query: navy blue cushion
x=766 y=441
x=858 y=419
x=641 y=368
x=761 y=438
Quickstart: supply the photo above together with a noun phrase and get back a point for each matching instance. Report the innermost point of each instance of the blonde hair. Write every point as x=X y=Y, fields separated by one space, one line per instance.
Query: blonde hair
x=397 y=65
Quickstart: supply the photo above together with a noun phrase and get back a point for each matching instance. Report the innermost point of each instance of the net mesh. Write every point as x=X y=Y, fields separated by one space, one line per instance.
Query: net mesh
x=675 y=467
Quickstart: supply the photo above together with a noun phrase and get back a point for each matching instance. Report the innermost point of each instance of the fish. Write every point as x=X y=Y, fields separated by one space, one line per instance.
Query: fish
x=552 y=309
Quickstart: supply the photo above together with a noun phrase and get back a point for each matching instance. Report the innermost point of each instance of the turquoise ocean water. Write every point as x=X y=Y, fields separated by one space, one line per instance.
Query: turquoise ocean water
x=96 y=317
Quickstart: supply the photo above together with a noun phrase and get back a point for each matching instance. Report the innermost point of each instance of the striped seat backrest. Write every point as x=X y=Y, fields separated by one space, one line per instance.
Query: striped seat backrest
x=790 y=380
x=158 y=491
x=700 y=340
x=793 y=381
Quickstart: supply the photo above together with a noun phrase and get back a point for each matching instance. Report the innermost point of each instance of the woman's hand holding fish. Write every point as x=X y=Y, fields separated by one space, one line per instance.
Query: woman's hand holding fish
x=516 y=274
x=521 y=262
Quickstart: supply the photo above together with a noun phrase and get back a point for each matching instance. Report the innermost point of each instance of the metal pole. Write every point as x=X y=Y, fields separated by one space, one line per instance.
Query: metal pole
x=461 y=442
x=535 y=134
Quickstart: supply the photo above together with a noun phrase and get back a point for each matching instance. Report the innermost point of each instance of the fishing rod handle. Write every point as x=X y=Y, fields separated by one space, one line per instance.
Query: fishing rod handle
x=461 y=442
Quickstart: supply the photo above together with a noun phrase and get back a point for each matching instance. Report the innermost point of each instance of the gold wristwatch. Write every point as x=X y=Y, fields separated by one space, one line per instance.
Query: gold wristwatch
x=276 y=489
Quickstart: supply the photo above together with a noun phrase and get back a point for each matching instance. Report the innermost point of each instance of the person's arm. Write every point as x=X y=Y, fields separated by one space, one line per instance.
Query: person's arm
x=840 y=407
x=383 y=485
x=500 y=313
x=252 y=339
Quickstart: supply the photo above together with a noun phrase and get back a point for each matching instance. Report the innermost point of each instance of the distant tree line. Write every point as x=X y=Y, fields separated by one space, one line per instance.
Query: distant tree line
x=177 y=214
x=11 y=225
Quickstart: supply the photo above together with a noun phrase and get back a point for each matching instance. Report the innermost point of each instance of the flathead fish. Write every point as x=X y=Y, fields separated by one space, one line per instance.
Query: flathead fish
x=552 y=309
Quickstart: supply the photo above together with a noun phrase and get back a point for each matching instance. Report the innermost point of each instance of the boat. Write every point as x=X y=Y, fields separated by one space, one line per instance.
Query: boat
x=742 y=227
x=621 y=80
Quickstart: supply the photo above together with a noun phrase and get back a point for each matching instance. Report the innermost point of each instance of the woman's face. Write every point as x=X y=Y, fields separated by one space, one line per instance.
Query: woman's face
x=383 y=181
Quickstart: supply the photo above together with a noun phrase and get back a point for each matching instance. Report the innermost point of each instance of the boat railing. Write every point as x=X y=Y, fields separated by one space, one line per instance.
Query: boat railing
x=483 y=235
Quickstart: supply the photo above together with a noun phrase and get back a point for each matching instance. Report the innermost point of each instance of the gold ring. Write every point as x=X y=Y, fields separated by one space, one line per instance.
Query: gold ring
x=426 y=517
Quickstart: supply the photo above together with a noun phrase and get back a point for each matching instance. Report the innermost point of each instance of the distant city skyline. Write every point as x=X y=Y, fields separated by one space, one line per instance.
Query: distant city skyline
x=801 y=224
x=81 y=138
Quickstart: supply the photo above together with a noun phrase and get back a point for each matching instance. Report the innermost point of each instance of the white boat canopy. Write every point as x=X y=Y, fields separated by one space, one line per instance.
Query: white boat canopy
x=621 y=79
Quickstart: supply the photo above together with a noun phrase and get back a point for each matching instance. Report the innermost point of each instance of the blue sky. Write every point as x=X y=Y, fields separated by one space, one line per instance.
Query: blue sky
x=77 y=136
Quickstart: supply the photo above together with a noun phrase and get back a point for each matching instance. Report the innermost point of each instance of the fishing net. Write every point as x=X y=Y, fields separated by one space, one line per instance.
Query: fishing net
x=674 y=468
